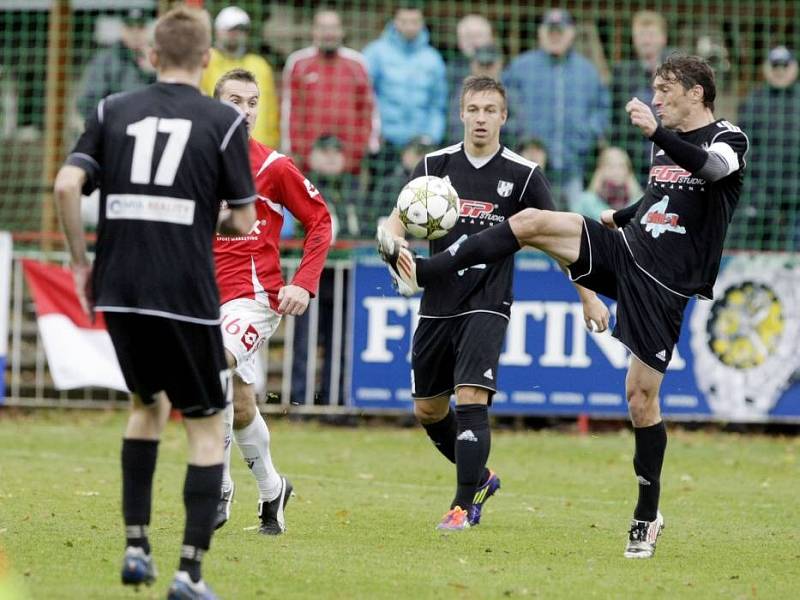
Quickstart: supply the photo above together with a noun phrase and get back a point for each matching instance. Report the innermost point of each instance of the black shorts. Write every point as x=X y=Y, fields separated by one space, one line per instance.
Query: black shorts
x=649 y=316
x=455 y=351
x=185 y=360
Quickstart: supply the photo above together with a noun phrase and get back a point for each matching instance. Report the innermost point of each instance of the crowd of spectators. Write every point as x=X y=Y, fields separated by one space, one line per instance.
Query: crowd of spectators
x=356 y=118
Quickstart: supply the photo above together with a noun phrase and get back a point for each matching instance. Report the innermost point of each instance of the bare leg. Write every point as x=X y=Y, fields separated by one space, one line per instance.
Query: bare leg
x=558 y=234
x=642 y=387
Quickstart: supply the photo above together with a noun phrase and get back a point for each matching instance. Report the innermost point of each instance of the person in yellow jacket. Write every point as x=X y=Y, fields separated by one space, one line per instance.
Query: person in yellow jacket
x=231 y=28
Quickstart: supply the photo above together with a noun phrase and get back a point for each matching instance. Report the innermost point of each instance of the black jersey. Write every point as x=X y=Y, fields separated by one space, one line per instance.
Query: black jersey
x=489 y=195
x=163 y=157
x=679 y=228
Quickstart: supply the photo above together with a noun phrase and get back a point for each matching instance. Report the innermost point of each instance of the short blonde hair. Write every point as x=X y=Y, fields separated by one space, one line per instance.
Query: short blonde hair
x=182 y=36
x=649 y=18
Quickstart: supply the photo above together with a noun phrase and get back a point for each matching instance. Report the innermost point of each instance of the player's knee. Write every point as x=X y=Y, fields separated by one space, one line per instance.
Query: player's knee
x=205 y=449
x=428 y=413
x=527 y=224
x=642 y=406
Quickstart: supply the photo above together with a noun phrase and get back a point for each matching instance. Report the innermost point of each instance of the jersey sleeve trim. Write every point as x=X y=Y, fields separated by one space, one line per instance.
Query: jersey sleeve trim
x=85 y=162
x=226 y=140
x=100 y=110
x=727 y=154
x=736 y=132
x=79 y=157
x=242 y=201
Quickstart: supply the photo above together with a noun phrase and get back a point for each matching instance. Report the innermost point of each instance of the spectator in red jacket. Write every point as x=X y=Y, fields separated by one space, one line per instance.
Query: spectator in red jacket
x=327 y=91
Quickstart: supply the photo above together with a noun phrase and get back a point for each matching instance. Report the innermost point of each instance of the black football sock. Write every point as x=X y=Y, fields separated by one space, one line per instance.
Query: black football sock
x=488 y=246
x=200 y=497
x=138 y=466
x=443 y=435
x=472 y=450
x=651 y=443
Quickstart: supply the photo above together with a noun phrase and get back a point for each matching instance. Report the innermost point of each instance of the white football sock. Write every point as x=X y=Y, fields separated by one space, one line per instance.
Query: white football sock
x=227 y=424
x=253 y=442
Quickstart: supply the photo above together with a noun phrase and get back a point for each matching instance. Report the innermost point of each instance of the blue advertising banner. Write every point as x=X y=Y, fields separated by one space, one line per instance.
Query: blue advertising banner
x=736 y=359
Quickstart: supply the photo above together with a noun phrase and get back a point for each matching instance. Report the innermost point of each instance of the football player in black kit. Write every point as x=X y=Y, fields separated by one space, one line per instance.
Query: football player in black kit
x=651 y=257
x=163 y=157
x=463 y=316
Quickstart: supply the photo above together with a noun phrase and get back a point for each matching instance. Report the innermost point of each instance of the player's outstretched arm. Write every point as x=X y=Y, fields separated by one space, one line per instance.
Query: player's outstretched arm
x=713 y=164
x=67 y=190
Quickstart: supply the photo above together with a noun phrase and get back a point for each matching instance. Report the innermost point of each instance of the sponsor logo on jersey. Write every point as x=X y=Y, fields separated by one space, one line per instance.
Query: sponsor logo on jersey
x=662 y=355
x=479 y=210
x=250 y=337
x=143 y=207
x=488 y=374
x=674 y=174
x=256 y=228
x=504 y=188
x=657 y=220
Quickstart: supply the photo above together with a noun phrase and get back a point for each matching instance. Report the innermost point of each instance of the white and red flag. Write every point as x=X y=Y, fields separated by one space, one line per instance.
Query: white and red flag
x=79 y=352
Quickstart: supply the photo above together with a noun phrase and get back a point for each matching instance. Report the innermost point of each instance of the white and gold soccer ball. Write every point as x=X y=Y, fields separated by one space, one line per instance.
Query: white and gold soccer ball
x=428 y=207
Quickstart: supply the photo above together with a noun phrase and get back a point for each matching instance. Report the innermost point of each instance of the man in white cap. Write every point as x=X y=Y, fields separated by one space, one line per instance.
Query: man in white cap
x=231 y=31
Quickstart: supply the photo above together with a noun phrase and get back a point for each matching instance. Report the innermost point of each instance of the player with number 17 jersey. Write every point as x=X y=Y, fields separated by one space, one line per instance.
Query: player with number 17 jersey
x=168 y=155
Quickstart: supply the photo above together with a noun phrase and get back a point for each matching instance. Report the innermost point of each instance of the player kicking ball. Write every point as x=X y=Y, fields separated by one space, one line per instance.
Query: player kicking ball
x=651 y=257
x=254 y=298
x=463 y=316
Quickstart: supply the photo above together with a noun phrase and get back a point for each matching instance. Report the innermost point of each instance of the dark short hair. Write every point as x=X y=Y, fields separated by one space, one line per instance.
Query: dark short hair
x=328 y=141
x=233 y=75
x=409 y=5
x=531 y=142
x=690 y=71
x=482 y=83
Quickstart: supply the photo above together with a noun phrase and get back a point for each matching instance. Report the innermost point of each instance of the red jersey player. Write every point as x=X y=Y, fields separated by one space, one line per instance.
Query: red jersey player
x=254 y=296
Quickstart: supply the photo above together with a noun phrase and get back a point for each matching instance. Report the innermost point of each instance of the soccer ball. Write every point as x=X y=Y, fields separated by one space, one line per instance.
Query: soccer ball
x=428 y=207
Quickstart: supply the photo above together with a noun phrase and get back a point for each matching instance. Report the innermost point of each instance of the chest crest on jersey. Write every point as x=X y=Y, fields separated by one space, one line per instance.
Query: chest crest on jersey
x=504 y=188
x=657 y=220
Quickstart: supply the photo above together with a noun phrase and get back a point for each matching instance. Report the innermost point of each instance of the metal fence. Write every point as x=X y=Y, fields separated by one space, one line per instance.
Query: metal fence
x=284 y=361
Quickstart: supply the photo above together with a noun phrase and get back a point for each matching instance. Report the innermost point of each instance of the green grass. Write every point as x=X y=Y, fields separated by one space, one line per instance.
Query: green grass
x=362 y=522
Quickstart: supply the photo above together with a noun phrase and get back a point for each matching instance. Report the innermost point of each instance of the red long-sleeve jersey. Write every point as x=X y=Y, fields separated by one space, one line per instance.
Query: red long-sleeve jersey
x=328 y=95
x=248 y=266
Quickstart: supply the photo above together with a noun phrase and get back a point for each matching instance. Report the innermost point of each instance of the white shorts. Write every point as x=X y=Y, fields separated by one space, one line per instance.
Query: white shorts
x=246 y=325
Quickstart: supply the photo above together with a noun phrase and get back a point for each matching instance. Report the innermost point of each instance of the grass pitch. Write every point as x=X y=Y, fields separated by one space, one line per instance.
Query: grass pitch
x=361 y=524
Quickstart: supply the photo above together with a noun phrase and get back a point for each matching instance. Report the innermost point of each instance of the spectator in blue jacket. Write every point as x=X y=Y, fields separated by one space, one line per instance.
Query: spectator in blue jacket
x=556 y=94
x=408 y=75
